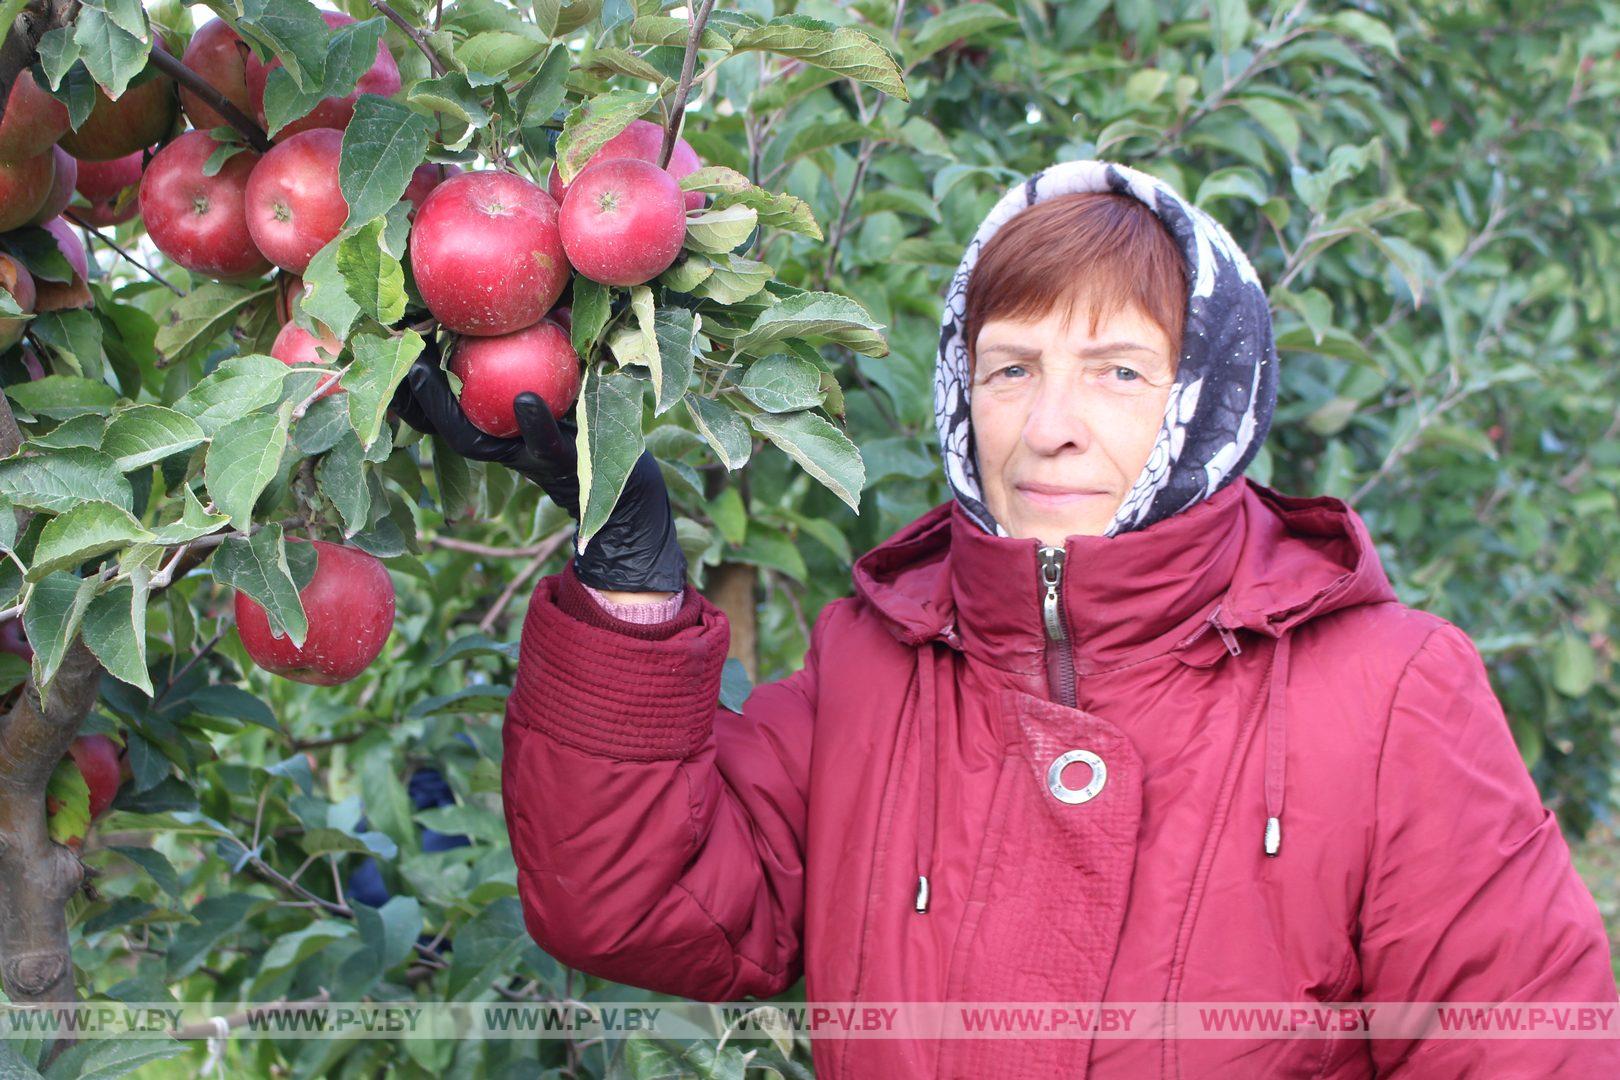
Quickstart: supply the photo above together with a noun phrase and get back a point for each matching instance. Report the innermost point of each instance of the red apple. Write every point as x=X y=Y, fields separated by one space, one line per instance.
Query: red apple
x=97 y=759
x=33 y=120
x=14 y=641
x=24 y=186
x=111 y=188
x=223 y=60
x=144 y=115
x=295 y=345
x=623 y=222
x=61 y=193
x=200 y=221
x=644 y=140
x=59 y=295
x=16 y=280
x=36 y=372
x=563 y=317
x=289 y=287
x=494 y=370
x=486 y=253
x=333 y=112
x=427 y=177
x=294 y=204
x=350 y=607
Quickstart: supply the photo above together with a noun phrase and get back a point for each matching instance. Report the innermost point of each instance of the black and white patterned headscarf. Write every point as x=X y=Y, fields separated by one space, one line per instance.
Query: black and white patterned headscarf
x=1226 y=385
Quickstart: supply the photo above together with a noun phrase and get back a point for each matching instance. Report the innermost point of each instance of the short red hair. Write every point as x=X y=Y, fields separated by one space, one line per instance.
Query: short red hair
x=1095 y=252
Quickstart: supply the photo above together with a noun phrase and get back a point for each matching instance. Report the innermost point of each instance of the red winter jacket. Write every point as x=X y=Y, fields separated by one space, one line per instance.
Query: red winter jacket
x=1243 y=660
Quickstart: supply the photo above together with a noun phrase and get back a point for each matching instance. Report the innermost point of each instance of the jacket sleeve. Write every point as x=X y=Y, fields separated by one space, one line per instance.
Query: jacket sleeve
x=659 y=837
x=1471 y=895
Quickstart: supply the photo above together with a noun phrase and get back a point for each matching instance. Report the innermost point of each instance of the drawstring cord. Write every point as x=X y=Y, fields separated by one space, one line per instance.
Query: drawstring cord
x=928 y=767
x=1276 y=742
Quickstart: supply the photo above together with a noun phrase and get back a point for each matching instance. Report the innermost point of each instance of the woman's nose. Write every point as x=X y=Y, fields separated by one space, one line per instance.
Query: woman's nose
x=1057 y=418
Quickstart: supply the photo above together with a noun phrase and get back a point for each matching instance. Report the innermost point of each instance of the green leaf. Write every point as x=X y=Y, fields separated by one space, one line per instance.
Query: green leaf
x=668 y=30
x=607 y=62
x=840 y=49
x=1240 y=182
x=89 y=529
x=1574 y=665
x=326 y=298
x=379 y=365
x=195 y=321
x=451 y=94
x=541 y=97
x=341 y=475
x=498 y=52
x=242 y=461
x=390 y=932
x=382 y=146
x=68 y=789
x=233 y=703
x=732 y=279
x=820 y=448
x=294 y=31
x=322 y=426
x=1364 y=28
x=593 y=302
x=156 y=865
x=1277 y=119
x=350 y=52
x=478 y=698
x=60 y=480
x=372 y=277
x=635 y=342
x=782 y=383
x=476 y=645
x=954 y=23
x=111 y=53
x=74 y=335
x=722 y=428
x=719 y=231
x=816 y=315
x=388 y=805
x=83 y=431
x=51 y=619
x=144 y=435
x=592 y=123
x=729 y=515
x=64 y=396
x=104 y=1059
x=115 y=631
x=676 y=331
x=238 y=386
x=258 y=567
x=217 y=918
x=195 y=521
x=687 y=272
x=732 y=188
x=608 y=443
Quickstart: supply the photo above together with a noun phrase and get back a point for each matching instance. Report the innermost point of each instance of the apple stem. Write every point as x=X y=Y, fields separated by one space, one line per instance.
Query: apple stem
x=105 y=239
x=172 y=67
x=700 y=19
x=413 y=33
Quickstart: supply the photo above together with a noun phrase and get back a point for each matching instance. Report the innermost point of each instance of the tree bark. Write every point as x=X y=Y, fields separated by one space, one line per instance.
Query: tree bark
x=731 y=589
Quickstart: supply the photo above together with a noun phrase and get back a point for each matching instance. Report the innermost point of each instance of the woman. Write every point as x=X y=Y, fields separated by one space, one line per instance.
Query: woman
x=1113 y=724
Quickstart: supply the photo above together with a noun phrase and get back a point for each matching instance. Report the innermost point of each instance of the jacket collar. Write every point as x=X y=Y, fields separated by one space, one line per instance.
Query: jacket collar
x=1246 y=557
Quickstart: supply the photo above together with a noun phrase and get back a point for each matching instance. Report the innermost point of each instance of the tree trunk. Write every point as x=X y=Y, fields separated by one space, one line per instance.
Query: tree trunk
x=731 y=589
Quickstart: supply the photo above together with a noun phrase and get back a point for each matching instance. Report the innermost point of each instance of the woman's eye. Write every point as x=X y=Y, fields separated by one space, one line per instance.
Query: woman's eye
x=1129 y=374
x=1010 y=369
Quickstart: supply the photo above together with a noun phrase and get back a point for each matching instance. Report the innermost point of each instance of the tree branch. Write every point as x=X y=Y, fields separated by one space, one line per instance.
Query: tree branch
x=105 y=239
x=171 y=66
x=413 y=33
x=700 y=19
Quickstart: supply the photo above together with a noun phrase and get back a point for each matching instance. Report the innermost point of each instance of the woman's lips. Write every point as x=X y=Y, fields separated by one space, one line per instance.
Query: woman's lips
x=1052 y=495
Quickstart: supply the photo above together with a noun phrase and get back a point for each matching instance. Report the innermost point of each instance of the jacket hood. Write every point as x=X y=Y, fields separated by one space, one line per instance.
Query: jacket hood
x=1220 y=408
x=1249 y=558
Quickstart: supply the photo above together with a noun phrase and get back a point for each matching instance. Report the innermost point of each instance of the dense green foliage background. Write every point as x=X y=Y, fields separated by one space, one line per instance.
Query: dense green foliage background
x=1429 y=190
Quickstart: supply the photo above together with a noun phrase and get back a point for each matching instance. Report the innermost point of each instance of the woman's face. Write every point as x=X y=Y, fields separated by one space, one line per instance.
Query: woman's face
x=1064 y=420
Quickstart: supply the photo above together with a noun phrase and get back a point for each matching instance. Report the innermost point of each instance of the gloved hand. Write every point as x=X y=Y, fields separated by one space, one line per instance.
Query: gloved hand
x=634 y=551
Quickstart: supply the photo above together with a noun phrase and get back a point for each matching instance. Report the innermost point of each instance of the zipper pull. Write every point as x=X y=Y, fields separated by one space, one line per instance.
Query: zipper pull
x=1227 y=637
x=1052 y=576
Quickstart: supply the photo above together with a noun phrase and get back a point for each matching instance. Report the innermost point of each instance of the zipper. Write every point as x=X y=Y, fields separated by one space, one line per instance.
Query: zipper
x=1060 y=662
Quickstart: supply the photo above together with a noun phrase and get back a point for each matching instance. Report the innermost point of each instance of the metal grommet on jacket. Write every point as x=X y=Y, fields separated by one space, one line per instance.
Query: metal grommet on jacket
x=1063 y=793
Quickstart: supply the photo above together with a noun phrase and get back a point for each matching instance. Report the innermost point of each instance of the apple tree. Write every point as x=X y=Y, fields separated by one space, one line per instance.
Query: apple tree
x=257 y=630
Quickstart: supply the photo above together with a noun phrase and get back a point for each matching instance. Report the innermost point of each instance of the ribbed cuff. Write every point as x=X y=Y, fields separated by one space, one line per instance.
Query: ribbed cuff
x=644 y=613
x=577 y=599
x=613 y=688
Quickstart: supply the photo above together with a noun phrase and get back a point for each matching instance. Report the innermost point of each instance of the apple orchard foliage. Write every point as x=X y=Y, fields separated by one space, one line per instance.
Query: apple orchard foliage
x=1429 y=195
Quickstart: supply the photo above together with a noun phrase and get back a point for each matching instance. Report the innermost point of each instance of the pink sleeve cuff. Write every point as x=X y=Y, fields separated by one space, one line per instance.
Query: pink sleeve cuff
x=640 y=614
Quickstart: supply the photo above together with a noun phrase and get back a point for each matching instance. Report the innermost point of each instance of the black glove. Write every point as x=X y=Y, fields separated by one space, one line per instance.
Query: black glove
x=635 y=550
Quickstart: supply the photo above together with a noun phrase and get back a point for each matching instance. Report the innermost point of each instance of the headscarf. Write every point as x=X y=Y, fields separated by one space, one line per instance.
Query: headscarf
x=1220 y=407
